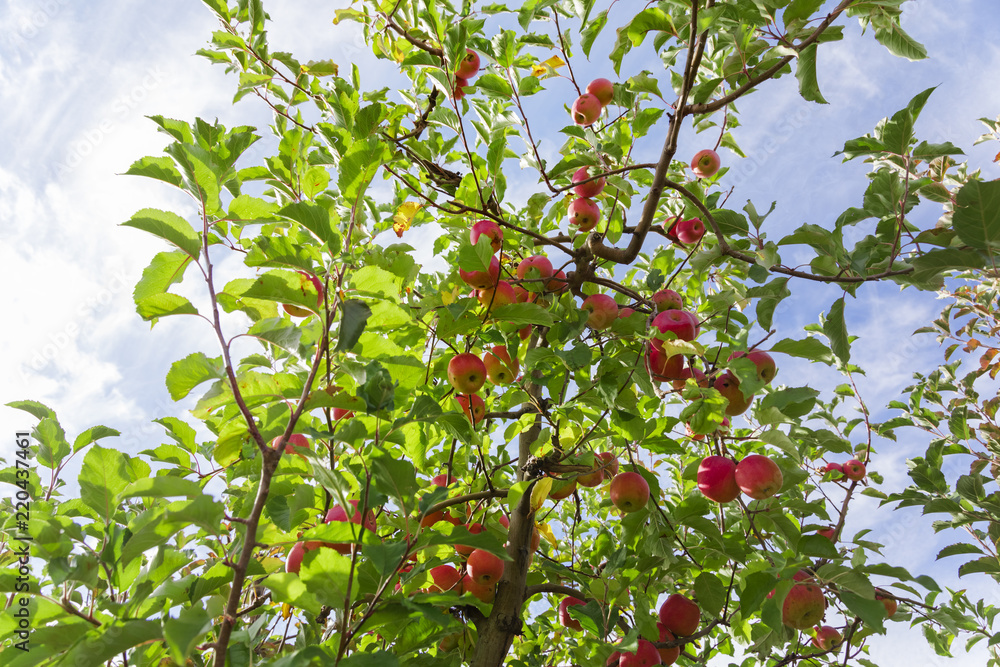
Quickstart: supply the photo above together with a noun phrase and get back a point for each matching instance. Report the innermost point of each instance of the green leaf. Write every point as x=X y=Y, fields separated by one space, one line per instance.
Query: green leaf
x=871 y=611
x=521 y=314
x=93 y=434
x=836 y=331
x=163 y=305
x=111 y=640
x=162 y=486
x=103 y=477
x=934 y=263
x=756 y=586
x=34 y=408
x=711 y=593
x=959 y=549
x=977 y=214
x=805 y=72
x=985 y=565
x=806 y=348
x=159 y=168
x=373 y=659
x=799 y=10
x=354 y=317
x=187 y=373
x=182 y=633
x=166 y=269
x=316 y=219
x=898 y=42
x=169 y=227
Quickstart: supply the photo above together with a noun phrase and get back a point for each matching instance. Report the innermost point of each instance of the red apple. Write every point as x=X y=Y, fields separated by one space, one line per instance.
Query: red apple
x=705 y=163
x=663 y=367
x=564 y=617
x=717 y=479
x=629 y=491
x=445 y=578
x=689 y=231
x=602 y=311
x=591 y=188
x=466 y=373
x=645 y=655
x=475 y=528
x=729 y=387
x=887 y=601
x=295 y=555
x=835 y=468
x=524 y=296
x=500 y=295
x=602 y=89
x=829 y=533
x=562 y=488
x=484 y=568
x=338 y=513
x=680 y=615
x=584 y=213
x=690 y=372
x=668 y=656
x=766 y=368
x=443 y=480
x=758 y=476
x=482 y=279
x=460 y=89
x=341 y=413
x=491 y=230
x=804 y=606
x=854 y=470
x=586 y=110
x=683 y=324
x=558 y=283
x=827 y=638
x=485 y=592
x=296 y=444
x=535 y=267
x=625 y=313
x=609 y=462
x=500 y=368
x=667 y=299
x=469 y=66
x=473 y=406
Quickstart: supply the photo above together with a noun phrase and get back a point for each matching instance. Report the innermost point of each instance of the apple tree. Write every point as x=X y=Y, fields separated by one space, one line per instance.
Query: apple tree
x=478 y=400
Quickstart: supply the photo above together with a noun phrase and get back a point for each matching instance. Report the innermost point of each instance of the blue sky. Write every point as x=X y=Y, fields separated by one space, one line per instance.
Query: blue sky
x=77 y=80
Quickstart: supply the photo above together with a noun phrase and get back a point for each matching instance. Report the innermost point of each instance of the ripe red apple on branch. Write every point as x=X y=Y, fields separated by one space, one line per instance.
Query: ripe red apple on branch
x=758 y=476
x=484 y=568
x=584 y=186
x=482 y=279
x=500 y=368
x=469 y=66
x=717 y=479
x=826 y=638
x=680 y=615
x=565 y=619
x=602 y=89
x=602 y=311
x=705 y=163
x=586 y=110
x=584 y=213
x=629 y=491
x=502 y=294
x=466 y=373
x=854 y=470
x=490 y=230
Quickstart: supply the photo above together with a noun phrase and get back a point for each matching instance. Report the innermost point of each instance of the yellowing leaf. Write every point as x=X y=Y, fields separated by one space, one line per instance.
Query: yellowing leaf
x=546 y=531
x=448 y=298
x=286 y=611
x=540 y=492
x=404 y=217
x=548 y=67
x=320 y=68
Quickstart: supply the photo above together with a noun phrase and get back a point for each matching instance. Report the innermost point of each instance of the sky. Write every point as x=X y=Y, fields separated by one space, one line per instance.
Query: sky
x=77 y=81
